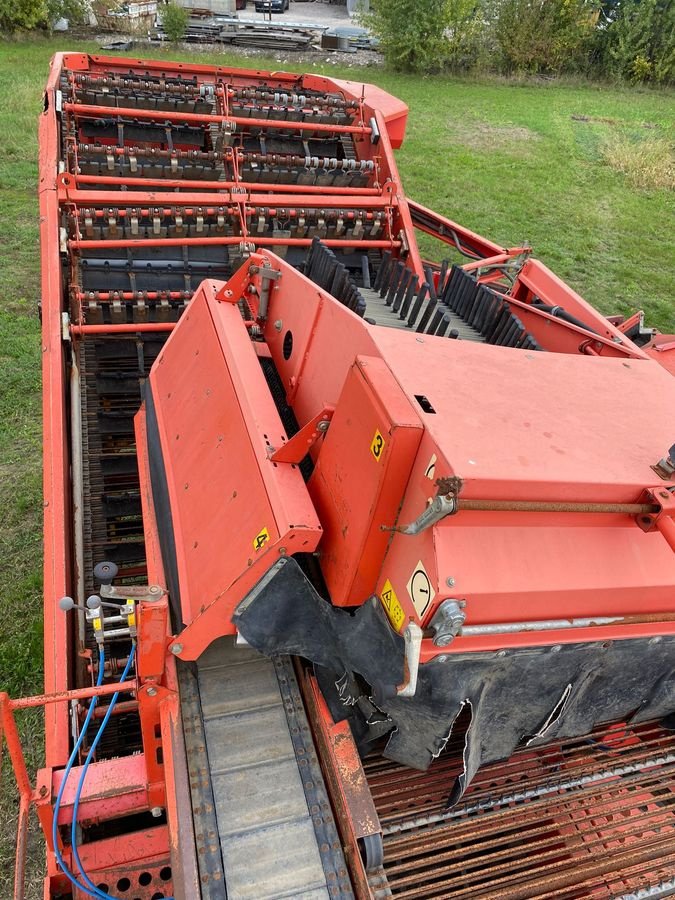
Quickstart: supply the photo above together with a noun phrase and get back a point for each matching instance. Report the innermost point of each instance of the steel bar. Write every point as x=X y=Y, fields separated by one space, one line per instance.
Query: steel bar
x=505 y=860
x=84 y=109
x=102 y=296
x=483 y=834
x=555 y=624
x=104 y=690
x=230 y=241
x=630 y=509
x=122 y=328
x=539 y=791
x=409 y=784
x=252 y=187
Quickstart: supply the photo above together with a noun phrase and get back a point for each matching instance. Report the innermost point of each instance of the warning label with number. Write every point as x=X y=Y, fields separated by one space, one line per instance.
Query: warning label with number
x=261 y=538
x=377 y=446
x=420 y=589
x=391 y=605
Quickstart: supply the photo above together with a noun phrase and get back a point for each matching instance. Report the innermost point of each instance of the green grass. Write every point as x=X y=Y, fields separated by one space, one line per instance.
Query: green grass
x=515 y=162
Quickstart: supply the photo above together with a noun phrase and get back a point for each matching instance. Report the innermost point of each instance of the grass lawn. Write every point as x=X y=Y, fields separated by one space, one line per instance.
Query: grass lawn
x=574 y=170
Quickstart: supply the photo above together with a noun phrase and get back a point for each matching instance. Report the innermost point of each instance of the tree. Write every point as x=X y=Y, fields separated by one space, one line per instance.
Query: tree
x=174 y=21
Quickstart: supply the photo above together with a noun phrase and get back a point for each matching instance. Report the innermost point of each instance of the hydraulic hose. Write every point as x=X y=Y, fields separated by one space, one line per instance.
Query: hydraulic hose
x=94 y=891
x=561 y=313
x=66 y=773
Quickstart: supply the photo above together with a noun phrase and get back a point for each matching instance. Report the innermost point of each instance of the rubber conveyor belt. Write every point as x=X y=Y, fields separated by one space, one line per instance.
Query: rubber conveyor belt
x=277 y=835
x=378 y=312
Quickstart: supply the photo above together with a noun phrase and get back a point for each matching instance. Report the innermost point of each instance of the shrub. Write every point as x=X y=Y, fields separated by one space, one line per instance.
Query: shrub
x=425 y=35
x=640 y=40
x=21 y=15
x=174 y=21
x=545 y=35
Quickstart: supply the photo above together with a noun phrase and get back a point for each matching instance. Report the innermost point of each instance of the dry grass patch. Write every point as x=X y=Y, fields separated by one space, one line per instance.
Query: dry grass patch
x=487 y=136
x=647 y=162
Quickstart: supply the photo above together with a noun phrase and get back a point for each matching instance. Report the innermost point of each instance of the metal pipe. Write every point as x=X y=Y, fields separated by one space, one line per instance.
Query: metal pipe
x=77 y=486
x=531 y=793
x=123 y=328
x=630 y=509
x=555 y=624
x=122 y=706
x=252 y=187
x=99 y=296
x=108 y=112
x=226 y=241
x=68 y=696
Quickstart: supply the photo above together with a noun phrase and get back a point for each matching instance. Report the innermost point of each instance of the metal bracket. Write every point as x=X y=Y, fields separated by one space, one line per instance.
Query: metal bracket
x=665 y=468
x=413 y=647
x=140 y=592
x=444 y=504
x=297 y=447
x=447 y=622
x=267 y=274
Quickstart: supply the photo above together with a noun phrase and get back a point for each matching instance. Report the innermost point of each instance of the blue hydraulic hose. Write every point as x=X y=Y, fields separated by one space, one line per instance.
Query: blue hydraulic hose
x=97 y=892
x=94 y=891
x=88 y=888
x=66 y=773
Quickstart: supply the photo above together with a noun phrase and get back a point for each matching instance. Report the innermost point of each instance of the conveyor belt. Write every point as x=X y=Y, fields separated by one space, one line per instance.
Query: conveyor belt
x=277 y=834
x=586 y=818
x=378 y=312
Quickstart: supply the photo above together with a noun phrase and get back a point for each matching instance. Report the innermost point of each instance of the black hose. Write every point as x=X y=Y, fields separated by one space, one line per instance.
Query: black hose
x=561 y=313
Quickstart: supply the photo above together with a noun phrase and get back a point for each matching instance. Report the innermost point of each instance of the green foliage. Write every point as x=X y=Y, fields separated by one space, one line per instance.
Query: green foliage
x=22 y=15
x=545 y=35
x=425 y=36
x=174 y=21
x=640 y=41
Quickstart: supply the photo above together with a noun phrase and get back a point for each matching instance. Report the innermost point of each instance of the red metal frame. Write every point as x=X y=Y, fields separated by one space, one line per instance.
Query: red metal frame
x=328 y=339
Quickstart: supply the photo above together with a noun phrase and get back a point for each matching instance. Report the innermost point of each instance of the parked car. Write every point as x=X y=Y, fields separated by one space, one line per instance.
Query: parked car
x=272 y=5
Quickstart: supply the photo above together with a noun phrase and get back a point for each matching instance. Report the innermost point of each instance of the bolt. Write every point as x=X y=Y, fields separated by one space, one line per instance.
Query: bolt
x=152 y=692
x=282 y=551
x=322 y=426
x=501 y=652
x=156 y=812
x=176 y=649
x=278 y=324
x=442 y=658
x=450 y=582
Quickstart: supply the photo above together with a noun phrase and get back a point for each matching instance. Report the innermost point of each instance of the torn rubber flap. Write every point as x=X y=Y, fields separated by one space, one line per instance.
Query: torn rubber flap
x=523 y=696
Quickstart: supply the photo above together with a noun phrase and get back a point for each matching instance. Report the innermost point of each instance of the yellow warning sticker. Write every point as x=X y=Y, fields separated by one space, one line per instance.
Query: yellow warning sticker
x=377 y=446
x=261 y=538
x=391 y=605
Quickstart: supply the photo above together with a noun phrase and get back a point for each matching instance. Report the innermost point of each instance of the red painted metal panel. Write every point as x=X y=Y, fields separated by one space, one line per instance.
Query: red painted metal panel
x=55 y=440
x=217 y=423
x=360 y=475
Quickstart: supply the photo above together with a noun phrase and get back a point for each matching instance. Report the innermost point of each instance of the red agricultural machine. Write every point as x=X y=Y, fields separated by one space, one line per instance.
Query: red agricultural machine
x=359 y=569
